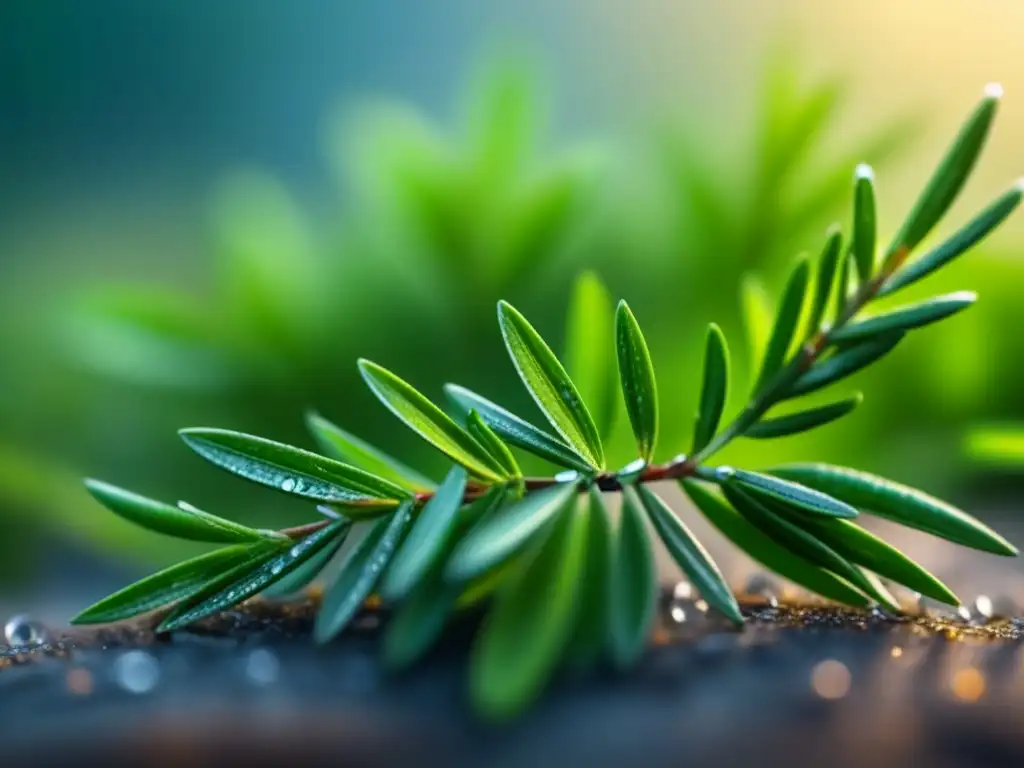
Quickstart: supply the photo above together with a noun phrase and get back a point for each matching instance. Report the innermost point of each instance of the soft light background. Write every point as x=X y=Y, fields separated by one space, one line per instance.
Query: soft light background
x=118 y=121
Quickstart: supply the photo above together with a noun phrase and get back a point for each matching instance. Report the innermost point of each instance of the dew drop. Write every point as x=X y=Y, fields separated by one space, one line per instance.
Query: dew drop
x=983 y=608
x=724 y=473
x=678 y=614
x=683 y=590
x=1004 y=607
x=567 y=476
x=761 y=585
x=288 y=484
x=137 y=672
x=262 y=667
x=23 y=632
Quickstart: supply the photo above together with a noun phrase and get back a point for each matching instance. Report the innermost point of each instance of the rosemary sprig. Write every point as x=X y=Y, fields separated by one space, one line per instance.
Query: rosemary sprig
x=561 y=584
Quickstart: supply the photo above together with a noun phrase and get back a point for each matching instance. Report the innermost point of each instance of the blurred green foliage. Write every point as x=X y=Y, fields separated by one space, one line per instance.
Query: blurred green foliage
x=432 y=225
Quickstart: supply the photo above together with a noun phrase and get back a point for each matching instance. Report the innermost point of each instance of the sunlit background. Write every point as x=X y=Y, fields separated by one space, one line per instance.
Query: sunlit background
x=209 y=211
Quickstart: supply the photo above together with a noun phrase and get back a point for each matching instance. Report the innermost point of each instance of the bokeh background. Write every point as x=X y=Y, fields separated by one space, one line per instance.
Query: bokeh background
x=208 y=211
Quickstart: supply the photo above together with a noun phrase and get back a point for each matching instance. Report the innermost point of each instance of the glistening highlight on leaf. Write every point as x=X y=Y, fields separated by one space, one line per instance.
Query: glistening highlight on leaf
x=557 y=583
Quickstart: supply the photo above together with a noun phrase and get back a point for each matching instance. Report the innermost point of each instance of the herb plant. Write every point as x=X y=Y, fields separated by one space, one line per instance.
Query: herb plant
x=557 y=580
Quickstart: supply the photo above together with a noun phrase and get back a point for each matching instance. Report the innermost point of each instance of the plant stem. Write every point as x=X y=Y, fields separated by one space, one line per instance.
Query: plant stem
x=682 y=466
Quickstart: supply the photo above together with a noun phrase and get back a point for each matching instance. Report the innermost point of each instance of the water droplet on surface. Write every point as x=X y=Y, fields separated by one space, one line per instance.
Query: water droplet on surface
x=288 y=484
x=1004 y=607
x=262 y=667
x=23 y=632
x=761 y=585
x=137 y=672
x=566 y=476
x=678 y=614
x=683 y=590
x=631 y=470
x=328 y=512
x=983 y=609
x=926 y=606
x=724 y=473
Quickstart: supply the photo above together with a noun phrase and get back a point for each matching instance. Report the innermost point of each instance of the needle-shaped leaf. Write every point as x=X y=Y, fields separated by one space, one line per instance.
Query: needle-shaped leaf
x=515 y=430
x=549 y=385
x=359 y=574
x=236 y=588
x=523 y=638
x=757 y=318
x=802 y=421
x=590 y=349
x=794 y=494
x=825 y=280
x=428 y=421
x=169 y=585
x=348 y=448
x=690 y=556
x=865 y=226
x=636 y=373
x=305 y=574
x=786 y=321
x=715 y=388
x=864 y=548
x=800 y=540
x=765 y=550
x=899 y=503
x=961 y=241
x=478 y=428
x=845 y=362
x=506 y=532
x=948 y=179
x=591 y=639
x=427 y=538
x=293 y=470
x=631 y=608
x=417 y=623
x=191 y=524
x=905 y=318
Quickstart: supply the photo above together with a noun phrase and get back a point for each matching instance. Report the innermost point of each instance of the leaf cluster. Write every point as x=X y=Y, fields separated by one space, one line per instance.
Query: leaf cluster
x=563 y=583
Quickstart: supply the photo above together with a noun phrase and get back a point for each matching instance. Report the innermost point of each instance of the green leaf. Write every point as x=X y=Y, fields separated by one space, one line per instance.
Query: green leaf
x=996 y=444
x=191 y=524
x=233 y=589
x=519 y=433
x=523 y=638
x=417 y=624
x=794 y=494
x=800 y=541
x=428 y=421
x=639 y=388
x=864 y=548
x=171 y=584
x=786 y=322
x=757 y=317
x=506 y=532
x=306 y=573
x=715 y=389
x=359 y=574
x=589 y=349
x=845 y=362
x=802 y=421
x=828 y=267
x=550 y=386
x=903 y=319
x=765 y=550
x=348 y=448
x=478 y=428
x=899 y=503
x=427 y=539
x=294 y=471
x=961 y=241
x=591 y=638
x=865 y=227
x=631 y=609
x=690 y=556
x=948 y=179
